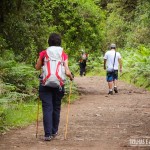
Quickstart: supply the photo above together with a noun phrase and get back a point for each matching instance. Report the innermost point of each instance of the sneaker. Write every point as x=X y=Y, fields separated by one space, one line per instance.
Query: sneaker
x=110 y=93
x=115 y=90
x=54 y=135
x=48 y=138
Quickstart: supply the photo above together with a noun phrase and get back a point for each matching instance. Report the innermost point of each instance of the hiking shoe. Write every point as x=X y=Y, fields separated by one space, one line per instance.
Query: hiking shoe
x=115 y=90
x=48 y=138
x=55 y=134
x=110 y=93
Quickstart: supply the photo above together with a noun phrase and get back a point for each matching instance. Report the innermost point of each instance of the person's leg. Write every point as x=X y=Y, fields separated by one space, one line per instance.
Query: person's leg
x=57 y=97
x=110 y=85
x=84 y=68
x=115 y=81
x=47 y=107
x=81 y=70
x=110 y=82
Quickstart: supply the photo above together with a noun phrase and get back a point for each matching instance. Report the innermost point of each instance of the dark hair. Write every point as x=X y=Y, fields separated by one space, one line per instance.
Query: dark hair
x=54 y=40
x=112 y=47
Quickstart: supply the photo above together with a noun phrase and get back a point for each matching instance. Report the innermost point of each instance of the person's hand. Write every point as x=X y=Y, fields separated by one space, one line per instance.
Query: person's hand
x=120 y=70
x=71 y=79
x=72 y=76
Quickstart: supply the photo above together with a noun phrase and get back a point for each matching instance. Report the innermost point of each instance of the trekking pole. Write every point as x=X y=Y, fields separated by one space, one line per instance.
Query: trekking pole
x=67 y=117
x=38 y=107
x=37 y=119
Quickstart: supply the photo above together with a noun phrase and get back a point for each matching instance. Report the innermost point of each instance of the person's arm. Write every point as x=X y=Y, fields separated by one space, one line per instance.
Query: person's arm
x=38 y=64
x=120 y=64
x=105 y=60
x=67 y=71
x=105 y=64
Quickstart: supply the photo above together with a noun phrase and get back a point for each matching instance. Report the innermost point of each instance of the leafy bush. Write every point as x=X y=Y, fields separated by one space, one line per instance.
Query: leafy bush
x=18 y=81
x=18 y=85
x=137 y=66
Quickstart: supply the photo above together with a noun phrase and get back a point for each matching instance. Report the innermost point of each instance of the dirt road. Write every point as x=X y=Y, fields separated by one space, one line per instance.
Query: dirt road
x=97 y=121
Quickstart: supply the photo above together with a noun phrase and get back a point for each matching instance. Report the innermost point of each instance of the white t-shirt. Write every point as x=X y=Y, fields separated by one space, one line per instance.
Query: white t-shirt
x=109 y=56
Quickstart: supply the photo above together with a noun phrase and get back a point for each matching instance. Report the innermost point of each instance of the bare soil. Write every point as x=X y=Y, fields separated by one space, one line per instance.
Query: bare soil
x=97 y=121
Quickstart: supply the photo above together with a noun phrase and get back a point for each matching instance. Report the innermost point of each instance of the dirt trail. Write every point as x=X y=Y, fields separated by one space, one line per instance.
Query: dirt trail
x=96 y=121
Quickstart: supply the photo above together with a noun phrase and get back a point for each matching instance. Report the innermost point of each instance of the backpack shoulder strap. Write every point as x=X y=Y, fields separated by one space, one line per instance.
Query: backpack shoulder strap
x=114 y=59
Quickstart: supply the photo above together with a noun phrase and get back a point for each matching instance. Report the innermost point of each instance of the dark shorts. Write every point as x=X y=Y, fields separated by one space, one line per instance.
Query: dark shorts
x=111 y=76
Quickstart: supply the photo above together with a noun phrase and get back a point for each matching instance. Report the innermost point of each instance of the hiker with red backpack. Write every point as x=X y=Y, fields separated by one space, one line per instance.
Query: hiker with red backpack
x=112 y=59
x=54 y=64
x=82 y=63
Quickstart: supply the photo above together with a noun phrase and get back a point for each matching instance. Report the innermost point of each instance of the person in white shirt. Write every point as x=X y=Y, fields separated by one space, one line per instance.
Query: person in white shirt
x=112 y=60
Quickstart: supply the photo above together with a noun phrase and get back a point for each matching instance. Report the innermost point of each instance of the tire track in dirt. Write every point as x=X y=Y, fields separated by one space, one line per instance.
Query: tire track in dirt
x=96 y=121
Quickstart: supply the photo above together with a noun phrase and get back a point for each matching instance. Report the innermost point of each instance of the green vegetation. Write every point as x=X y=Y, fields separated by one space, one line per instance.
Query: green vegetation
x=83 y=24
x=137 y=67
x=14 y=115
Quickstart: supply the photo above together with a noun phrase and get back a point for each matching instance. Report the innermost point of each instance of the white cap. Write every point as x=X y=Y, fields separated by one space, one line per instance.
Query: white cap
x=113 y=45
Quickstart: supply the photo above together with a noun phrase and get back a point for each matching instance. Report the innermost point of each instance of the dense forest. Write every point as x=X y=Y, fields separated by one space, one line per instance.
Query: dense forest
x=91 y=25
